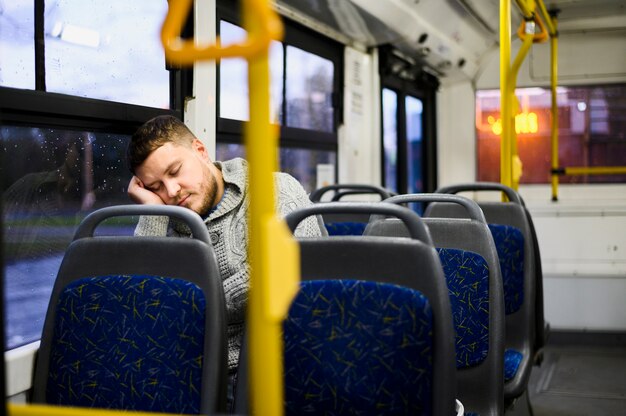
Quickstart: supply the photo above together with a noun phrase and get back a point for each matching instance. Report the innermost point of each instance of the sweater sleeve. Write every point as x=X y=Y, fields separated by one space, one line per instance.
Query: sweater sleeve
x=151 y=225
x=292 y=196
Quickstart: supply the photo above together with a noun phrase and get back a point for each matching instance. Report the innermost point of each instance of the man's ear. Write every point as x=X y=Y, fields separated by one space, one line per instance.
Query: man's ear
x=199 y=147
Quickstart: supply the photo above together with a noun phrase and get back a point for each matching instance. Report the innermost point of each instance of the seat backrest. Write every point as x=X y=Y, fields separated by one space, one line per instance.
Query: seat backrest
x=470 y=264
x=136 y=323
x=509 y=225
x=347 y=223
x=369 y=314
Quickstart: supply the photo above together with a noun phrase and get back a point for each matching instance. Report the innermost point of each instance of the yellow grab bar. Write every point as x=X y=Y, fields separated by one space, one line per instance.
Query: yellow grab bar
x=527 y=7
x=549 y=20
x=554 y=112
x=53 y=410
x=505 y=101
x=595 y=170
x=516 y=162
x=185 y=52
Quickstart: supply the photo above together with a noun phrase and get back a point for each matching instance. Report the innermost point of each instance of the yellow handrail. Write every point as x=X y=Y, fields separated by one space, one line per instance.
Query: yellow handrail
x=516 y=163
x=510 y=163
x=505 y=101
x=185 y=52
x=595 y=170
x=549 y=23
x=527 y=7
x=554 y=111
x=273 y=254
x=51 y=410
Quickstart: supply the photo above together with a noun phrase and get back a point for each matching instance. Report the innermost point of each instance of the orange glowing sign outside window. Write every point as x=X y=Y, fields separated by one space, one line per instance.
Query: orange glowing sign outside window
x=526 y=122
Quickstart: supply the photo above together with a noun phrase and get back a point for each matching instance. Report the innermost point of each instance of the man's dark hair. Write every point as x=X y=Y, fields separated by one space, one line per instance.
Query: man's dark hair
x=153 y=134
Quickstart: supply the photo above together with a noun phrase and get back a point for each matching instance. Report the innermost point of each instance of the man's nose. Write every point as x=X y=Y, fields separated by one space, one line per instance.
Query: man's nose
x=172 y=188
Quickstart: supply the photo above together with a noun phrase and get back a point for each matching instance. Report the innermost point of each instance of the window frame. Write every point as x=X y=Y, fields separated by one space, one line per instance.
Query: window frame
x=231 y=131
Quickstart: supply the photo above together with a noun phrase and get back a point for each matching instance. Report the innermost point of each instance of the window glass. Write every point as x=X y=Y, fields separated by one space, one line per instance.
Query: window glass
x=90 y=53
x=414 y=143
x=227 y=151
x=390 y=138
x=302 y=164
x=298 y=162
x=234 y=103
x=309 y=91
x=17 y=45
x=51 y=179
x=591 y=132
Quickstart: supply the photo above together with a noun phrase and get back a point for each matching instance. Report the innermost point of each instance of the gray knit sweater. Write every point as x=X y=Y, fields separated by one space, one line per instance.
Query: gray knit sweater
x=228 y=230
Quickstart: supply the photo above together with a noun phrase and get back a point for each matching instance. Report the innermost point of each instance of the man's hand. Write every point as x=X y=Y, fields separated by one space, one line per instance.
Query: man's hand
x=140 y=195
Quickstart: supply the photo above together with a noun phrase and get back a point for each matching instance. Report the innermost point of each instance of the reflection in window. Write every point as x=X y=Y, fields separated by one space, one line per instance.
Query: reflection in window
x=309 y=91
x=17 y=45
x=414 y=143
x=390 y=138
x=299 y=163
x=234 y=78
x=591 y=132
x=51 y=179
x=89 y=52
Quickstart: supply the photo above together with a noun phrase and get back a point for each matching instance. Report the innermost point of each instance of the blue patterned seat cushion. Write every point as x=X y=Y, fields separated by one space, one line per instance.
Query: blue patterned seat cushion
x=345 y=228
x=359 y=348
x=512 y=360
x=128 y=342
x=467 y=275
x=509 y=243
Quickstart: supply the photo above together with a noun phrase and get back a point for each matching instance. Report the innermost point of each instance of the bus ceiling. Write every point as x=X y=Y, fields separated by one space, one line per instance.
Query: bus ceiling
x=447 y=37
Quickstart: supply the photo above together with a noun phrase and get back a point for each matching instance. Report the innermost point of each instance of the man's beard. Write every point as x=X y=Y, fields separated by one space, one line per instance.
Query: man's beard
x=209 y=190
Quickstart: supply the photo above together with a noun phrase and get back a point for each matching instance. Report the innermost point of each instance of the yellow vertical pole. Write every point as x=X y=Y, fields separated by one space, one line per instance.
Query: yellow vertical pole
x=505 y=101
x=273 y=254
x=527 y=42
x=554 y=44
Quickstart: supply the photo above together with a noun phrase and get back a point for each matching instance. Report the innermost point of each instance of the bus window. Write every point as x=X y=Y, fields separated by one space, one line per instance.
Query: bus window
x=305 y=89
x=51 y=179
x=390 y=138
x=414 y=109
x=17 y=48
x=309 y=91
x=234 y=78
x=89 y=52
x=591 y=132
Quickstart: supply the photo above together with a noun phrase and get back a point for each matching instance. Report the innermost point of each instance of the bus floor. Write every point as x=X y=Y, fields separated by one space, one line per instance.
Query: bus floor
x=577 y=380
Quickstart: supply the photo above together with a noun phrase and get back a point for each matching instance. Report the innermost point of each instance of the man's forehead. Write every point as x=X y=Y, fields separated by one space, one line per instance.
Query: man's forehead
x=161 y=160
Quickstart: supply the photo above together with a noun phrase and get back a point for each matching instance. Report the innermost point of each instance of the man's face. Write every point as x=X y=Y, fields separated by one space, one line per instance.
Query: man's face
x=182 y=175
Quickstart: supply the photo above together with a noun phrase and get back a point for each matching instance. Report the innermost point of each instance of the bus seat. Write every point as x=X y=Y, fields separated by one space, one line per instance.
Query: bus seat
x=470 y=263
x=346 y=224
x=135 y=323
x=510 y=226
x=370 y=329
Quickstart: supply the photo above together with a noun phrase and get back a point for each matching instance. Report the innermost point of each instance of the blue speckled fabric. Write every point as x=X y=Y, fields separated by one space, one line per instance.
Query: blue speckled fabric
x=512 y=360
x=128 y=342
x=358 y=348
x=345 y=228
x=467 y=275
x=510 y=247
